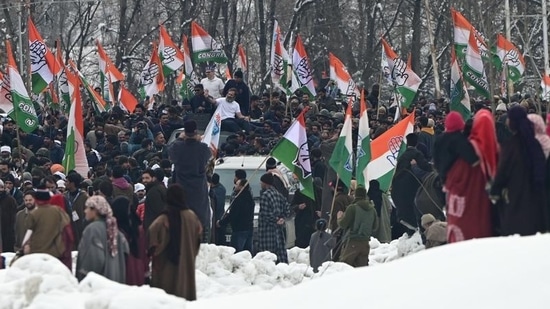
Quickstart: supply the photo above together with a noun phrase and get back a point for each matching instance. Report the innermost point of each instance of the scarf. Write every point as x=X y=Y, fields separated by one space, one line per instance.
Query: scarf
x=531 y=149
x=428 y=130
x=104 y=209
x=484 y=140
x=540 y=133
x=121 y=183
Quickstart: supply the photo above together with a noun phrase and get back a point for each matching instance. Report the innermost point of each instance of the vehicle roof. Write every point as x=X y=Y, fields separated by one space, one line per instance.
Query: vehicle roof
x=241 y=162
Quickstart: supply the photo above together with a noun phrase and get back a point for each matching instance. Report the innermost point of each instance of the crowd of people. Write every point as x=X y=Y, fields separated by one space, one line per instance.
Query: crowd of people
x=146 y=201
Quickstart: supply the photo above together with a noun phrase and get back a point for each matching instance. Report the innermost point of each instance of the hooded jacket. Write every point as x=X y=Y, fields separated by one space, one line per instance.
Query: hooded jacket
x=360 y=220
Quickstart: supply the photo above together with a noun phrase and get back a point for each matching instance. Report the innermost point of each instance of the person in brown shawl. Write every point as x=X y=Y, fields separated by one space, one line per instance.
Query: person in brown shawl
x=174 y=240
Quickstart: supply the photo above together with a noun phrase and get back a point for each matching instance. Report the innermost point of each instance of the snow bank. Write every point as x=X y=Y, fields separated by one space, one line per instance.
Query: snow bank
x=506 y=272
x=40 y=281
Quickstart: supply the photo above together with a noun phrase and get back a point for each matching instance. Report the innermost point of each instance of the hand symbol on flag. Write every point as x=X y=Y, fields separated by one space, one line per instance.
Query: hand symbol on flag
x=399 y=72
x=278 y=65
x=149 y=74
x=168 y=54
x=512 y=58
x=37 y=52
x=304 y=72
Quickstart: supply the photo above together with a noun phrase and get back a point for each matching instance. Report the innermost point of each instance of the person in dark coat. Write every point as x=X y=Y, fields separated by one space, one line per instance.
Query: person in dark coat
x=243 y=92
x=520 y=179
x=274 y=209
x=405 y=183
x=217 y=195
x=305 y=210
x=426 y=137
x=190 y=158
x=241 y=217
x=8 y=211
x=155 y=198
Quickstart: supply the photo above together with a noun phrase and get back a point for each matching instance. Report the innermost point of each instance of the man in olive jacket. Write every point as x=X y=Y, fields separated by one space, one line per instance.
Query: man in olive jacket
x=360 y=221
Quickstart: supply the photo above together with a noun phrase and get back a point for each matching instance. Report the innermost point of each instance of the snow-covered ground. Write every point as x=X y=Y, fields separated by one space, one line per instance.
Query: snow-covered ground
x=489 y=273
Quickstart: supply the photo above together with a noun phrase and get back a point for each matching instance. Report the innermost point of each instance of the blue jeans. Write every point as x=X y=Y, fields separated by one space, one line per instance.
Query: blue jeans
x=242 y=241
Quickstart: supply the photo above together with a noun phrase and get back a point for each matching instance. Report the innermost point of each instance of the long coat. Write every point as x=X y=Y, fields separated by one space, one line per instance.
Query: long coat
x=155 y=202
x=523 y=209
x=94 y=255
x=8 y=210
x=271 y=236
x=190 y=158
x=305 y=219
x=174 y=279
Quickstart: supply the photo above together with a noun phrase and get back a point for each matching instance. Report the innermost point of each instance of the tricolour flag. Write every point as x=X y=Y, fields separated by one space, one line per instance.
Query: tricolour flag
x=126 y=99
x=75 y=154
x=280 y=70
x=205 y=48
x=302 y=68
x=341 y=159
x=211 y=135
x=170 y=55
x=242 y=63
x=6 y=103
x=43 y=66
x=405 y=80
x=462 y=29
x=98 y=102
x=510 y=56
x=385 y=151
x=23 y=109
x=545 y=87
x=189 y=79
x=108 y=73
x=460 y=100
x=363 y=144
x=341 y=76
x=473 y=70
x=152 y=79
x=293 y=152
x=61 y=78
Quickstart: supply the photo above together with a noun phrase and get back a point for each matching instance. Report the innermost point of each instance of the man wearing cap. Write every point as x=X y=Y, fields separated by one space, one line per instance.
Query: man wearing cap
x=212 y=84
x=360 y=221
x=279 y=182
x=435 y=231
x=8 y=210
x=274 y=209
x=190 y=158
x=217 y=196
x=243 y=92
x=5 y=153
x=45 y=226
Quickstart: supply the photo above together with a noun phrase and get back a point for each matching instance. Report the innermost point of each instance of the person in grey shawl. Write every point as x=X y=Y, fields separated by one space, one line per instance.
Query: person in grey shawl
x=102 y=248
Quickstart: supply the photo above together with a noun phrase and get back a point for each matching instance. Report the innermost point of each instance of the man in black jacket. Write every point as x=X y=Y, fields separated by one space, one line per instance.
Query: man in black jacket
x=155 y=199
x=241 y=217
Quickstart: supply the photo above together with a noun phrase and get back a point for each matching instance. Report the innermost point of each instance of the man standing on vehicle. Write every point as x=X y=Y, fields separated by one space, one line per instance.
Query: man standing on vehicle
x=190 y=158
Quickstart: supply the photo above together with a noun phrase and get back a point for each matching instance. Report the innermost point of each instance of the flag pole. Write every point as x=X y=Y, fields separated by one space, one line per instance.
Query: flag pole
x=333 y=200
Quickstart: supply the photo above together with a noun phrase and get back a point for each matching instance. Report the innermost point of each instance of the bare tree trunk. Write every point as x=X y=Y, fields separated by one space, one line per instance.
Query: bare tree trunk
x=262 y=40
x=416 y=43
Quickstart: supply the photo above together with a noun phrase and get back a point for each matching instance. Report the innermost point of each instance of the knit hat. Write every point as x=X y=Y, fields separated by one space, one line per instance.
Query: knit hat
x=238 y=74
x=501 y=107
x=138 y=187
x=5 y=149
x=26 y=176
x=42 y=195
x=360 y=192
x=454 y=122
x=426 y=219
x=1 y=183
x=270 y=164
x=267 y=178
x=61 y=184
x=57 y=168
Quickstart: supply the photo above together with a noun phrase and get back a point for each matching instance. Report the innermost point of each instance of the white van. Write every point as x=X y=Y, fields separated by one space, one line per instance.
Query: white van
x=254 y=166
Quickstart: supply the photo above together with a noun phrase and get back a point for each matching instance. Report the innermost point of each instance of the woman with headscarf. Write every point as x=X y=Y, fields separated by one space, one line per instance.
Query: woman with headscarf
x=174 y=240
x=102 y=248
x=520 y=179
x=466 y=164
